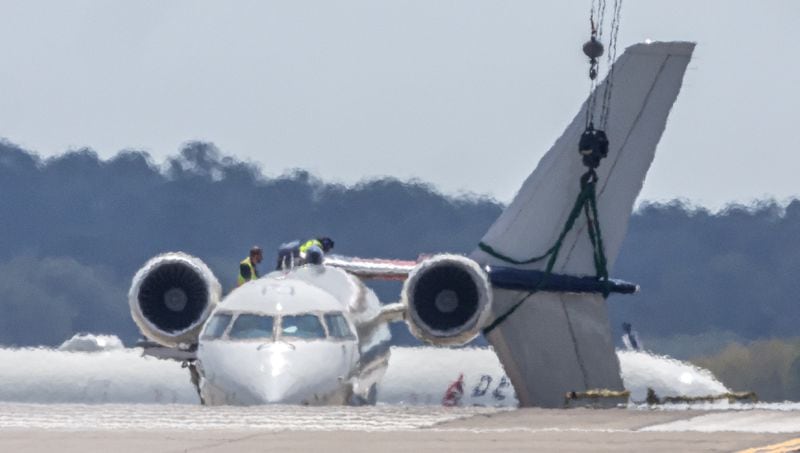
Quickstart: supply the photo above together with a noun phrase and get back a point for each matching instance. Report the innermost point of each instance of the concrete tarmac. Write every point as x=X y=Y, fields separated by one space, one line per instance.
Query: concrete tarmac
x=516 y=430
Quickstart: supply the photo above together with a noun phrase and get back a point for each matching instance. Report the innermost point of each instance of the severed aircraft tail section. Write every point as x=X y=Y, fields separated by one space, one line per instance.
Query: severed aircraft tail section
x=557 y=342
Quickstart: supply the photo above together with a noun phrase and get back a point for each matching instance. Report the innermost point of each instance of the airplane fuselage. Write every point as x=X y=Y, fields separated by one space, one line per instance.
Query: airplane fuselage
x=312 y=335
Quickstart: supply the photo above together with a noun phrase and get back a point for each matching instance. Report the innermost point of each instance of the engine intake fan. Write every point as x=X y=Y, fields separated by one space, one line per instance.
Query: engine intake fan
x=171 y=297
x=448 y=298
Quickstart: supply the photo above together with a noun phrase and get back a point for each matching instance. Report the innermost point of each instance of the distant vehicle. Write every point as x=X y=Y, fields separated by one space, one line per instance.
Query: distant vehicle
x=316 y=334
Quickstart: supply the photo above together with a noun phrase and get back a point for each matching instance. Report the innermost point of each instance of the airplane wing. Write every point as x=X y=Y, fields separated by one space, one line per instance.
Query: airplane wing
x=499 y=276
x=372 y=268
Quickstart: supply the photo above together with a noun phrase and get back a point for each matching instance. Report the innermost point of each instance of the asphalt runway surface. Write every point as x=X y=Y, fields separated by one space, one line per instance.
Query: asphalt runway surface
x=187 y=428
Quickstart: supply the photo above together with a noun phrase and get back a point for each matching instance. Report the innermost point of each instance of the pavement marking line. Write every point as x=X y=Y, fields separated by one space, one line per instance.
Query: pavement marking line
x=792 y=445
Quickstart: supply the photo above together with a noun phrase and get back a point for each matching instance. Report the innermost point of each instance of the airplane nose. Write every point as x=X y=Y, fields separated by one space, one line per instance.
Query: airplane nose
x=277 y=381
x=269 y=373
x=278 y=390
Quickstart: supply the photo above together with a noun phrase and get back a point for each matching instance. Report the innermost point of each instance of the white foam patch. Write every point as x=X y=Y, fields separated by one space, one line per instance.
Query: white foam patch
x=423 y=375
x=117 y=376
x=31 y=380
x=86 y=342
x=416 y=376
x=666 y=376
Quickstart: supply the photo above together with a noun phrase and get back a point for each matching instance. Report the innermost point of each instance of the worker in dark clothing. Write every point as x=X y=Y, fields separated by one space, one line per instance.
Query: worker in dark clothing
x=288 y=255
x=296 y=253
x=247 y=267
x=630 y=338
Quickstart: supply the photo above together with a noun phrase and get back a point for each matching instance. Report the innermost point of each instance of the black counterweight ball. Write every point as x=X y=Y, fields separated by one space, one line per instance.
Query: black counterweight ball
x=593 y=48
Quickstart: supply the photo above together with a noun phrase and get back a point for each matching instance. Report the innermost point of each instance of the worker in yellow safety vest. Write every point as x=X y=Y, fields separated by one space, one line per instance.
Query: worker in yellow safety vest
x=247 y=267
x=324 y=244
x=312 y=243
x=296 y=253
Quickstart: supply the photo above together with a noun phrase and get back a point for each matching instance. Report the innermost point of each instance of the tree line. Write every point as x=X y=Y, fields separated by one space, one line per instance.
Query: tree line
x=74 y=228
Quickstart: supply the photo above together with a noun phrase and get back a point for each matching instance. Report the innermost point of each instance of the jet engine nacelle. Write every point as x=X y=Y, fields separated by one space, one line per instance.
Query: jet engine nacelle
x=171 y=297
x=448 y=300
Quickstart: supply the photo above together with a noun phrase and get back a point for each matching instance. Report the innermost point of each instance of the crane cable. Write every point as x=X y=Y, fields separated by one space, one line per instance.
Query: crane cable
x=594 y=49
x=611 y=57
x=593 y=147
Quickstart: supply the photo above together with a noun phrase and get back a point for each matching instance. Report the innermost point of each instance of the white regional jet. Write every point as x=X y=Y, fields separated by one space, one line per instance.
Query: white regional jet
x=315 y=334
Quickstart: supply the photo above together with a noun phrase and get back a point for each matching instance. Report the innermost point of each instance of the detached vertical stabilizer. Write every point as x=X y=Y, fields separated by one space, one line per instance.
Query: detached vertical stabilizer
x=561 y=342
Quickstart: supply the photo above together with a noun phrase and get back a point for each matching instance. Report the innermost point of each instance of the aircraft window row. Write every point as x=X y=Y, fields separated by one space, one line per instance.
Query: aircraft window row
x=249 y=326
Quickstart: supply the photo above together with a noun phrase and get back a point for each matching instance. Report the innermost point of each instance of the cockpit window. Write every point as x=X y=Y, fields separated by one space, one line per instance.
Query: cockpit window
x=337 y=326
x=250 y=326
x=302 y=326
x=216 y=327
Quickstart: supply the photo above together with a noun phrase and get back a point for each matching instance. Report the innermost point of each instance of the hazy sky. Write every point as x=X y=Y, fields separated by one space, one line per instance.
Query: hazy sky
x=465 y=94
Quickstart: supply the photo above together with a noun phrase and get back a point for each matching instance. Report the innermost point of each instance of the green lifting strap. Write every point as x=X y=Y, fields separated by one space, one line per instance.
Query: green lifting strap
x=586 y=202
